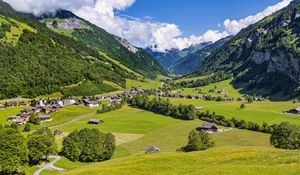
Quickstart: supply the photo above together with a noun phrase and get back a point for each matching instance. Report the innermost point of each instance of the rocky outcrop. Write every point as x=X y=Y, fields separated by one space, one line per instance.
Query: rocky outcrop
x=68 y=24
x=282 y=62
x=127 y=44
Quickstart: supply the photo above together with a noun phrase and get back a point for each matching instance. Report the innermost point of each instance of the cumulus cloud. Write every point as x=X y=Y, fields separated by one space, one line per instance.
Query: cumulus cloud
x=234 y=26
x=140 y=32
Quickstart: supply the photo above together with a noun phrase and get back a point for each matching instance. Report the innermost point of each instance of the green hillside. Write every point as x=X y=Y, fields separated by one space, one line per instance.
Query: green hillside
x=37 y=61
x=97 y=38
x=225 y=161
x=264 y=56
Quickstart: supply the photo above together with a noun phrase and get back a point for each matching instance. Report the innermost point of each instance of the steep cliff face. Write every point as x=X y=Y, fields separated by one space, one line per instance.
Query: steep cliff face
x=265 y=56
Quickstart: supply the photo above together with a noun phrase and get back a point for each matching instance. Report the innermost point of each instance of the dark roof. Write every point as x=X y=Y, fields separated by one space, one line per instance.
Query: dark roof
x=207 y=125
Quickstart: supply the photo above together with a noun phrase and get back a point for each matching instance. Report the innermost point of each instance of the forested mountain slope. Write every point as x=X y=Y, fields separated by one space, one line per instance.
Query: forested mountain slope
x=66 y=23
x=263 y=57
x=34 y=60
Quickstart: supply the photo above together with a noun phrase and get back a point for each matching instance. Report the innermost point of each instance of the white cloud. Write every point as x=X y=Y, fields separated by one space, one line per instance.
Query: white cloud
x=160 y=36
x=234 y=26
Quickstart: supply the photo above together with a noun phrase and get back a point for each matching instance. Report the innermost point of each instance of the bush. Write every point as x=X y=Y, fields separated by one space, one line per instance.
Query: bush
x=198 y=141
x=286 y=136
x=88 y=145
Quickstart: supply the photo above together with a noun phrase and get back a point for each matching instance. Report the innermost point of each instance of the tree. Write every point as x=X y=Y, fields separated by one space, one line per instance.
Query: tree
x=286 y=136
x=41 y=144
x=13 y=152
x=27 y=127
x=243 y=106
x=88 y=145
x=34 y=120
x=198 y=141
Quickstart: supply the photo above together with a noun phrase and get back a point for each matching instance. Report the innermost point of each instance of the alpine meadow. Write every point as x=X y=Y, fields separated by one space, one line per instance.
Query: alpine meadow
x=136 y=87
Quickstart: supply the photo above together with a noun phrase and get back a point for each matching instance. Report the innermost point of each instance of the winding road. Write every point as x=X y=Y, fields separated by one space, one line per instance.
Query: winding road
x=49 y=165
x=71 y=121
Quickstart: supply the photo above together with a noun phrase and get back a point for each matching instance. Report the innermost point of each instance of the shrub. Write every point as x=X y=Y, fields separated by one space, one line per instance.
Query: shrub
x=88 y=145
x=198 y=141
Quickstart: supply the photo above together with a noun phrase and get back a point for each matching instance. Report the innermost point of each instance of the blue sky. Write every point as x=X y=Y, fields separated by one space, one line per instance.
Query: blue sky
x=197 y=16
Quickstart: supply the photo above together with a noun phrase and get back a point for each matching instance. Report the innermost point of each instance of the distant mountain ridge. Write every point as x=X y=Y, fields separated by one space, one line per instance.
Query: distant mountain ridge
x=170 y=57
x=191 y=62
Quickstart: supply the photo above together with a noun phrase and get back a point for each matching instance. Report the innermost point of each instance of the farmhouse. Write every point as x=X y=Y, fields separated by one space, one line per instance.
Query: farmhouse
x=22 y=103
x=12 y=118
x=294 y=111
x=209 y=127
x=45 y=118
x=95 y=122
x=20 y=121
x=57 y=133
x=152 y=149
x=199 y=108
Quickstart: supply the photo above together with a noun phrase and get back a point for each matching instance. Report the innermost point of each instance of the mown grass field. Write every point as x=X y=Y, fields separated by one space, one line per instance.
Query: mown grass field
x=205 y=90
x=146 y=84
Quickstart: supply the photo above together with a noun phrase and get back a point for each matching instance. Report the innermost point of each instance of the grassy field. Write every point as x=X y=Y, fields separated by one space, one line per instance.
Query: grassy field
x=271 y=112
x=205 y=90
x=66 y=114
x=147 y=84
x=136 y=130
x=220 y=161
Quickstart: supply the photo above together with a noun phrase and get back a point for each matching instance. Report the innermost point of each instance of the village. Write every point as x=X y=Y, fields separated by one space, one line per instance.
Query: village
x=43 y=108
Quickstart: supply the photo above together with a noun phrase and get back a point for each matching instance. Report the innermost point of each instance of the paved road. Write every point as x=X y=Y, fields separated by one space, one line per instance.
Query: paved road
x=49 y=165
x=74 y=120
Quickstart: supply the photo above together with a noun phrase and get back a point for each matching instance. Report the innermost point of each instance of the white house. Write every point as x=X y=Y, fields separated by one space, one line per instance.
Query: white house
x=92 y=105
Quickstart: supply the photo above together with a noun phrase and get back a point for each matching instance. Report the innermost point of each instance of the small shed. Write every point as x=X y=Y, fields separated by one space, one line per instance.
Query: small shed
x=199 y=108
x=57 y=133
x=294 y=111
x=95 y=122
x=45 y=118
x=152 y=149
x=209 y=127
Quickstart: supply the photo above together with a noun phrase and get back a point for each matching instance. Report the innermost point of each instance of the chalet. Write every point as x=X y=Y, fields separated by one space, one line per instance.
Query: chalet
x=209 y=127
x=69 y=102
x=294 y=111
x=41 y=103
x=57 y=133
x=12 y=118
x=95 y=122
x=13 y=104
x=22 y=103
x=45 y=118
x=20 y=121
x=2 y=106
x=152 y=149
x=199 y=108
x=90 y=104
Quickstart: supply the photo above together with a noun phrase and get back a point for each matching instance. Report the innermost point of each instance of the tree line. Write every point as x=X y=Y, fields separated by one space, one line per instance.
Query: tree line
x=164 y=107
